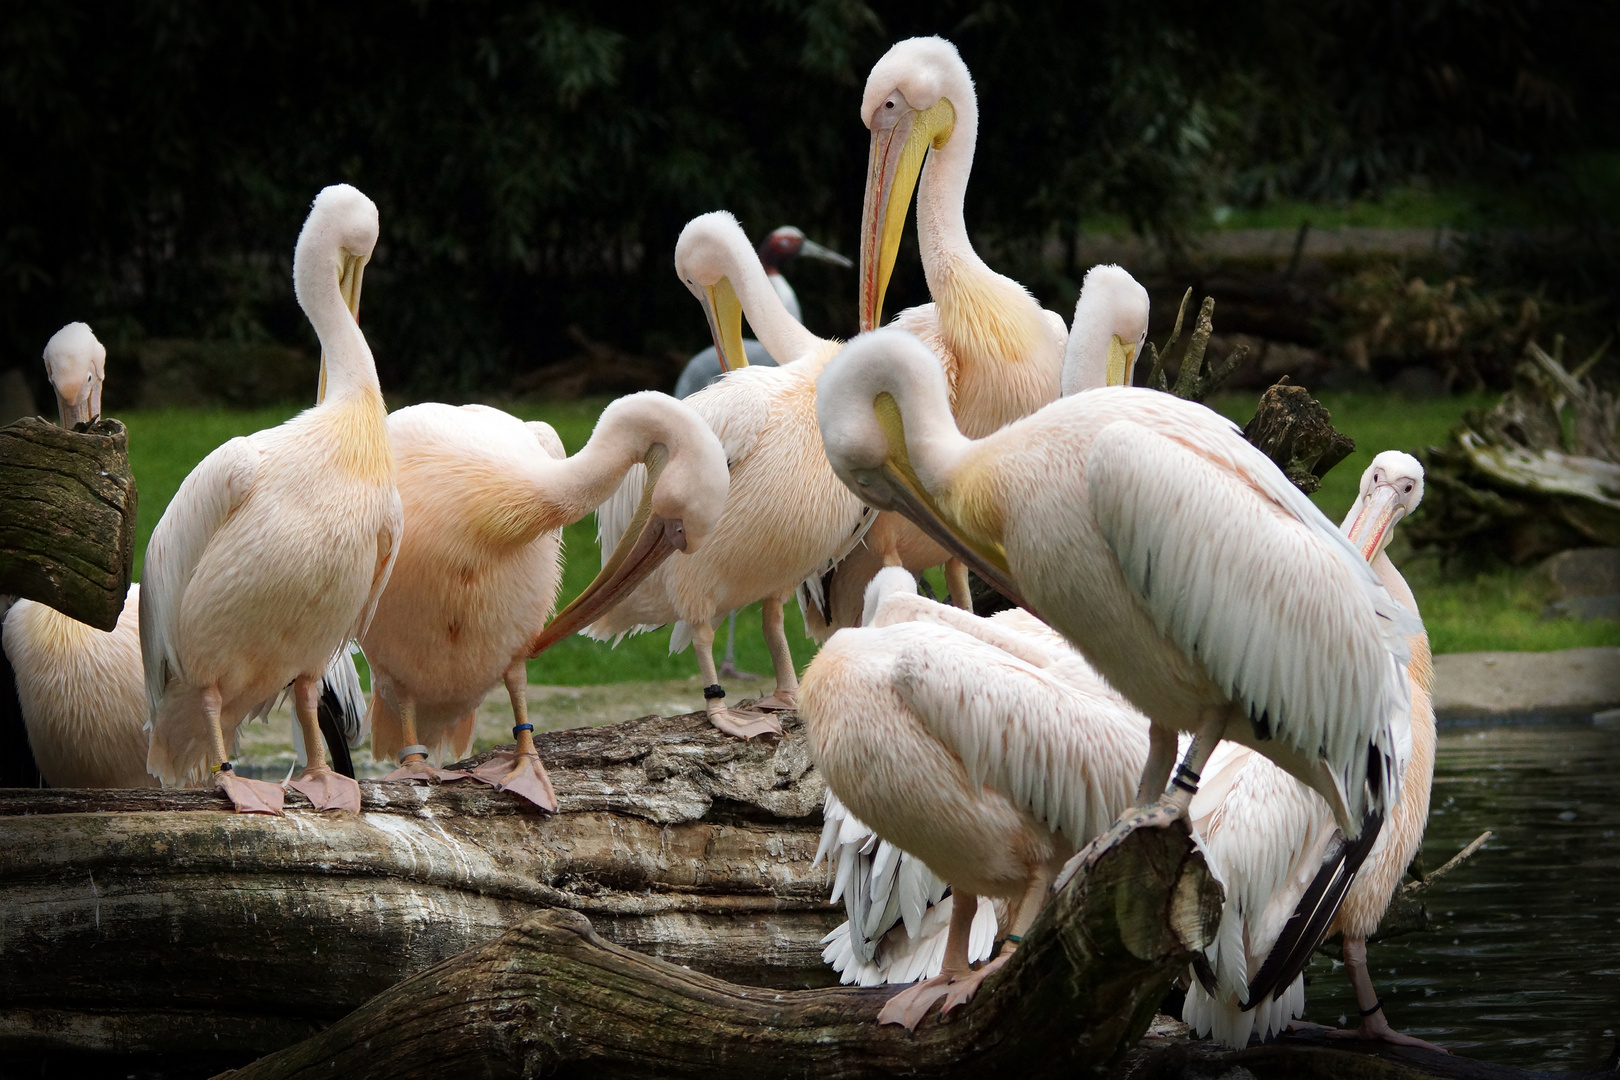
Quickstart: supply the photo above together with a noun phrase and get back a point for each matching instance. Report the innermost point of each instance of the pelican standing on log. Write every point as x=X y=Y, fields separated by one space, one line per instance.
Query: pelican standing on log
x=274 y=551
x=787 y=517
x=1196 y=579
x=486 y=497
x=1265 y=833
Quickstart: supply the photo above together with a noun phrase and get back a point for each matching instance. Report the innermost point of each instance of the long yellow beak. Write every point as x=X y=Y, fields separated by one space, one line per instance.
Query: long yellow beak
x=1372 y=527
x=901 y=138
x=1121 y=361
x=724 y=312
x=350 y=270
x=648 y=541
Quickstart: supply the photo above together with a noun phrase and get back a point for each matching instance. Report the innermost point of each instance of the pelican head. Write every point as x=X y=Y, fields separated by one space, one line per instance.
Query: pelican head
x=706 y=255
x=681 y=500
x=1110 y=326
x=885 y=583
x=76 y=363
x=787 y=242
x=1391 y=488
x=885 y=416
x=336 y=243
x=914 y=97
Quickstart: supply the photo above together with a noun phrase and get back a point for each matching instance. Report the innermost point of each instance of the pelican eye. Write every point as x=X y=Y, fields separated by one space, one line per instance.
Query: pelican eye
x=1409 y=489
x=888 y=104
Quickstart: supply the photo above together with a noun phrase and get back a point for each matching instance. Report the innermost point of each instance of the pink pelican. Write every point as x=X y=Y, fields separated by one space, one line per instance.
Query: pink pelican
x=1266 y=834
x=275 y=549
x=485 y=498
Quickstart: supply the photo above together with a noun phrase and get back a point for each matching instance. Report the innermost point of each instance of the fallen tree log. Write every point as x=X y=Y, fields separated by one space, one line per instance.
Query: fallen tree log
x=146 y=924
x=552 y=996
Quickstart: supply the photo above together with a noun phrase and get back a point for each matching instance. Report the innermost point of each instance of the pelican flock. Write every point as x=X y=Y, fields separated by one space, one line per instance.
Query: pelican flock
x=1193 y=641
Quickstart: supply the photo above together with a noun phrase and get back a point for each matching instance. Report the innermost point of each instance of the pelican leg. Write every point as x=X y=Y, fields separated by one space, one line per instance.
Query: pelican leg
x=743 y=725
x=248 y=796
x=1019 y=919
x=786 y=695
x=1374 y=1024
x=728 y=665
x=1161 y=760
x=956 y=583
x=322 y=785
x=1170 y=806
x=413 y=759
x=519 y=770
x=909 y=1006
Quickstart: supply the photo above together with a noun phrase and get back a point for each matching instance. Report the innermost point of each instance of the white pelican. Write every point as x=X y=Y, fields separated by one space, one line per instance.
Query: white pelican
x=1265 y=834
x=1197 y=580
x=275 y=549
x=76 y=363
x=938 y=731
x=486 y=497
x=1110 y=325
x=787 y=517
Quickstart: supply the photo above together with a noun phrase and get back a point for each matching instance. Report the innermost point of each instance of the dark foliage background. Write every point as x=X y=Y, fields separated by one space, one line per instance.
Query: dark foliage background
x=533 y=162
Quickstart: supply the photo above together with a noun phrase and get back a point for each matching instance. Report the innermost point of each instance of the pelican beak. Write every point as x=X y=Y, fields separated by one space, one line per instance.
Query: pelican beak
x=85 y=410
x=812 y=250
x=1371 y=529
x=900 y=140
x=724 y=312
x=1121 y=361
x=648 y=541
x=350 y=270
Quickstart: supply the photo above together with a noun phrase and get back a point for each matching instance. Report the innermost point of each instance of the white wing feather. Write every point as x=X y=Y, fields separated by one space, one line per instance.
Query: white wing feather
x=206 y=499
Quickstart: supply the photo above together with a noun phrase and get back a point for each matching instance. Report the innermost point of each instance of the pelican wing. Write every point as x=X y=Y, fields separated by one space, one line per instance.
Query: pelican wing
x=903 y=607
x=1071 y=758
x=205 y=501
x=1323 y=670
x=387 y=551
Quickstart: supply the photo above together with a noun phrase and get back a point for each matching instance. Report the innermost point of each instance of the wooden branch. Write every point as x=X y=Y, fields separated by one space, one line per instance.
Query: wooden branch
x=129 y=913
x=67 y=517
x=551 y=996
x=1295 y=431
x=1193 y=381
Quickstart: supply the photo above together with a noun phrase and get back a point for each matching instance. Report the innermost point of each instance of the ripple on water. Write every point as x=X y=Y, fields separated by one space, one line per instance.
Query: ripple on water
x=1520 y=967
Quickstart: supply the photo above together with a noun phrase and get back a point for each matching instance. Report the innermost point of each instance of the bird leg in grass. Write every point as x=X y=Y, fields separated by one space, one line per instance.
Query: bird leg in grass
x=319 y=782
x=910 y=1005
x=248 y=796
x=1374 y=1024
x=413 y=759
x=786 y=695
x=736 y=722
x=728 y=664
x=519 y=770
x=1169 y=806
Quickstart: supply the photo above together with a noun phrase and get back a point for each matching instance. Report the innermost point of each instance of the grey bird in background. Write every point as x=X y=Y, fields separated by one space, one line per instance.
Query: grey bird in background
x=704 y=368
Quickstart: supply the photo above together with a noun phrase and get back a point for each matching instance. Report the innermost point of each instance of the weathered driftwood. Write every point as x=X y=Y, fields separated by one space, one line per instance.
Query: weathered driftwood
x=1193 y=381
x=67 y=517
x=1294 y=430
x=153 y=923
x=551 y=996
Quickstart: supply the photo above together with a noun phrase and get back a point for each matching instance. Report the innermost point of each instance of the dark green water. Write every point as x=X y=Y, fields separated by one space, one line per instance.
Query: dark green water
x=1522 y=966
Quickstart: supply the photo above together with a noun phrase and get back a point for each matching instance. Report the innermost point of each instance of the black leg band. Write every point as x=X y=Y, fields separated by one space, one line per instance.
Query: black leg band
x=520 y=728
x=1186 y=779
x=1178 y=782
x=1377 y=1007
x=224 y=767
x=713 y=692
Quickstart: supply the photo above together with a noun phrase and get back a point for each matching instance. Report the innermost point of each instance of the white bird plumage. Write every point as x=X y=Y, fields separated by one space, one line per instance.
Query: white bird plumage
x=276 y=547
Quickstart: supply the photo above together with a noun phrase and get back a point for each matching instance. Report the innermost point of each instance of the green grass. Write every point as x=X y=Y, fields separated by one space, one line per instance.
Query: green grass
x=1493 y=611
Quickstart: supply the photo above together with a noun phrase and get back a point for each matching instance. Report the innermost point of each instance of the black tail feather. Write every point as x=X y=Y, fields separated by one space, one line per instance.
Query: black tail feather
x=330 y=712
x=17 y=765
x=1309 y=923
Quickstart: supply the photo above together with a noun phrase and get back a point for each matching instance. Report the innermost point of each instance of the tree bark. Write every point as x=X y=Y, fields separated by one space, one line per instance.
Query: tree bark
x=67 y=517
x=551 y=996
x=154 y=923
x=1294 y=430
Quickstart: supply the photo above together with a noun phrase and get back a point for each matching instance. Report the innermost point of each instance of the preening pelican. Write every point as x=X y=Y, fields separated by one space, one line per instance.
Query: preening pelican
x=781 y=246
x=1265 y=834
x=1176 y=557
x=76 y=363
x=485 y=499
x=946 y=734
x=787 y=518
x=275 y=549
x=1110 y=325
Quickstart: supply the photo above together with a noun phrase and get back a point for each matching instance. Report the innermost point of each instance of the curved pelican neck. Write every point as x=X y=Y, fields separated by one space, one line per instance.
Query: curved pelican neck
x=1394 y=582
x=783 y=336
x=942 y=193
x=346 y=358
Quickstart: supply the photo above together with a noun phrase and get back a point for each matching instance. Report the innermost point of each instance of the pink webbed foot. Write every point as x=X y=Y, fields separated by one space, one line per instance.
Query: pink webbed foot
x=1375 y=1028
x=418 y=768
x=909 y=1006
x=964 y=986
x=521 y=774
x=779 y=701
x=250 y=796
x=327 y=789
x=1157 y=815
x=742 y=724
